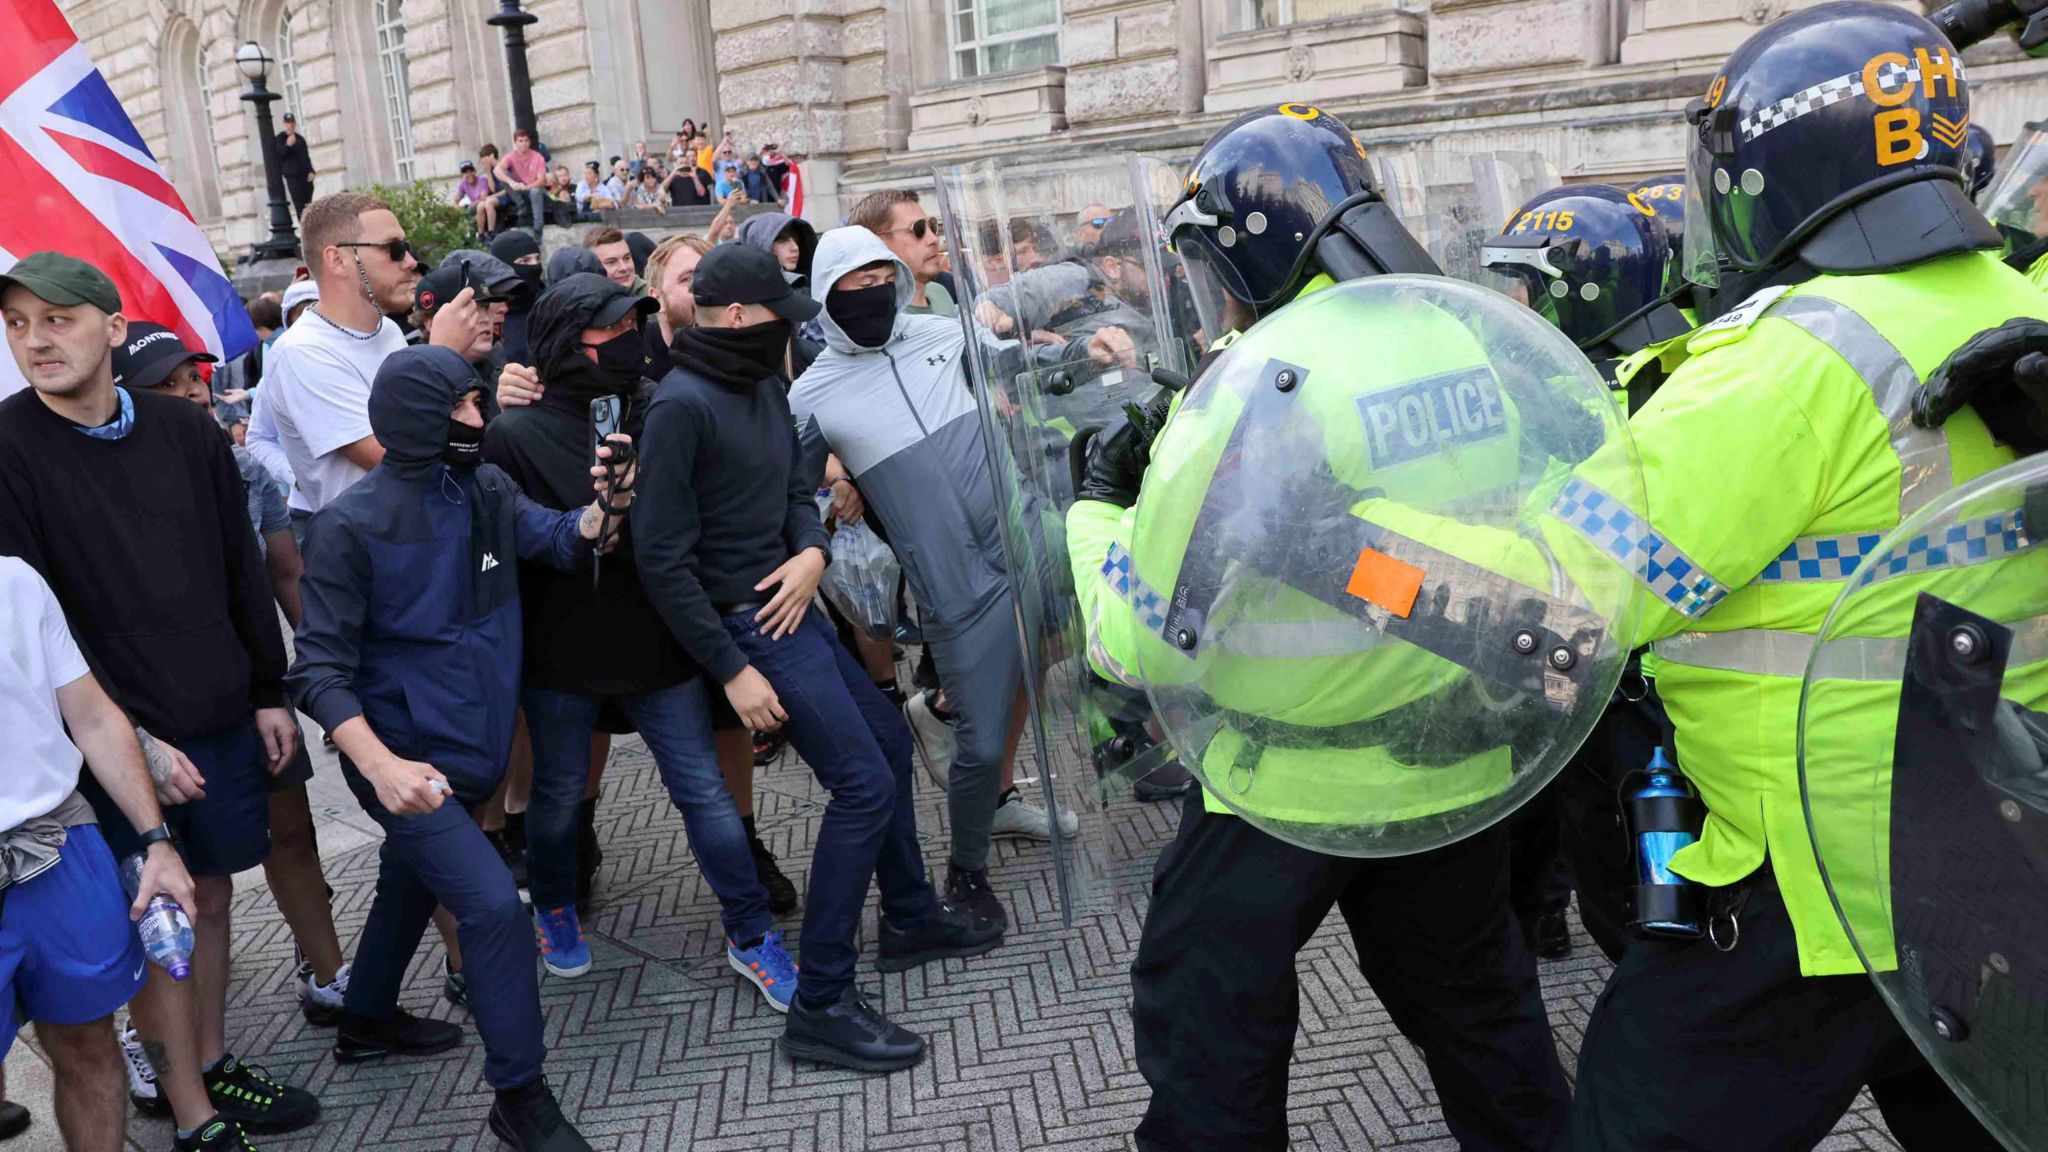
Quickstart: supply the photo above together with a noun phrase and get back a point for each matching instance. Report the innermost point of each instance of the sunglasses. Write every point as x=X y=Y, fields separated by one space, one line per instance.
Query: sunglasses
x=1099 y=221
x=397 y=250
x=917 y=231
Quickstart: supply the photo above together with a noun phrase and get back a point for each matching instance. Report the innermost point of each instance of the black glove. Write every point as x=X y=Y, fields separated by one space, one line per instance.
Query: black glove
x=2003 y=374
x=1117 y=462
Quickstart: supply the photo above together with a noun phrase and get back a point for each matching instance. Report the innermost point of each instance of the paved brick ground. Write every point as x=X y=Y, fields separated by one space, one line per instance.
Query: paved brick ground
x=660 y=1046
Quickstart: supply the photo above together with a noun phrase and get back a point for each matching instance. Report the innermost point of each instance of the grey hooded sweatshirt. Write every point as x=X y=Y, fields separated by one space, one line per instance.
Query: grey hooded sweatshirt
x=902 y=420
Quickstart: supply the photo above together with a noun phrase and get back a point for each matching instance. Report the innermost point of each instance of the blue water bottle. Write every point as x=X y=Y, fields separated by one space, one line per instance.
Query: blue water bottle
x=1664 y=816
x=165 y=929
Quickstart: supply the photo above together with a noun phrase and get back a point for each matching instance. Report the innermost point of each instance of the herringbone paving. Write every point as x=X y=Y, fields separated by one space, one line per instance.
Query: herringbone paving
x=660 y=1046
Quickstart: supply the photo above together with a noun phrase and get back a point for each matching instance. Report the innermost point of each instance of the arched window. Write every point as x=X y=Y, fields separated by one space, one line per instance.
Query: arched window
x=190 y=158
x=288 y=66
x=390 y=18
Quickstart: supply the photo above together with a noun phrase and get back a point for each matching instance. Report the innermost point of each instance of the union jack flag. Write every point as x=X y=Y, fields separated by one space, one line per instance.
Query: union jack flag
x=76 y=176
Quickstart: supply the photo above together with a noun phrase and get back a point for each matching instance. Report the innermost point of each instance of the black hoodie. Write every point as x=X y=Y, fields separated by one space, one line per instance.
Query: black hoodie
x=604 y=641
x=411 y=593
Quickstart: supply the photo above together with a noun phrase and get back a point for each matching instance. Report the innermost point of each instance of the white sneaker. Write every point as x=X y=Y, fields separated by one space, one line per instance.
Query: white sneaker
x=934 y=738
x=141 y=1077
x=1016 y=816
x=321 y=1003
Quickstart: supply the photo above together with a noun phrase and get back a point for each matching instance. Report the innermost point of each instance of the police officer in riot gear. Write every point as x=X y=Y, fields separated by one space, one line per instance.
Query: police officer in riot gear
x=1281 y=208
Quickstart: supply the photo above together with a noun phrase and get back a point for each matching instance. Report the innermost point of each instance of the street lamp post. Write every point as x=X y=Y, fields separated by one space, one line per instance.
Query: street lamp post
x=513 y=23
x=283 y=243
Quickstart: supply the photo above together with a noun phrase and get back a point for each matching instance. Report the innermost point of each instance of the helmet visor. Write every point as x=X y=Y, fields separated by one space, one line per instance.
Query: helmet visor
x=1217 y=291
x=2018 y=201
x=1701 y=260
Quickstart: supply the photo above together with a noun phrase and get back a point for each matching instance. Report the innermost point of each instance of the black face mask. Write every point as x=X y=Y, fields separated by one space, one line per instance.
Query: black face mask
x=465 y=447
x=529 y=273
x=866 y=315
x=737 y=355
x=621 y=360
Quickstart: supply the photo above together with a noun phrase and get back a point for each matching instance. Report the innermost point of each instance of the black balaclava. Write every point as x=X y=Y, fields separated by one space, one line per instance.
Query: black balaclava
x=415 y=391
x=620 y=360
x=465 y=447
x=737 y=356
x=866 y=315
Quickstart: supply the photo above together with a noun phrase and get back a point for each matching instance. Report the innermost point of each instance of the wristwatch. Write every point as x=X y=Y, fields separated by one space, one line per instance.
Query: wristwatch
x=161 y=834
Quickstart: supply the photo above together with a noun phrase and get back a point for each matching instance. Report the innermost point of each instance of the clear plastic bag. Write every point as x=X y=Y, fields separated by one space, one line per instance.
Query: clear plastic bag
x=861 y=580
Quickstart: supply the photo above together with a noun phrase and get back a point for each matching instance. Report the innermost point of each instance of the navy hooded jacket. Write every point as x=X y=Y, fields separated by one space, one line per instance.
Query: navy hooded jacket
x=411 y=590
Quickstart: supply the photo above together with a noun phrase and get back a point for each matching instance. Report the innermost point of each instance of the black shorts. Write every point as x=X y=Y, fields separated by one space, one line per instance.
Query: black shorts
x=226 y=831
x=298 y=771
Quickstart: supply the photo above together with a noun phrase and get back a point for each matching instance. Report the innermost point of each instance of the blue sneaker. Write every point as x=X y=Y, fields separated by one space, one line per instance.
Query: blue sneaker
x=560 y=936
x=770 y=966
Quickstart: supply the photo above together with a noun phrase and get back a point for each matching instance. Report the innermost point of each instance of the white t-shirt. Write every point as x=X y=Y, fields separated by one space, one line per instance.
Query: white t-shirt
x=318 y=377
x=37 y=657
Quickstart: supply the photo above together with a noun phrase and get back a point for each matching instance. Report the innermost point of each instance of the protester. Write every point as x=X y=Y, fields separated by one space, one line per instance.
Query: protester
x=262 y=437
x=566 y=262
x=731 y=548
x=913 y=236
x=295 y=163
x=441 y=286
x=234 y=383
x=72 y=956
x=791 y=241
x=524 y=170
x=130 y=507
x=1088 y=226
x=612 y=250
x=522 y=252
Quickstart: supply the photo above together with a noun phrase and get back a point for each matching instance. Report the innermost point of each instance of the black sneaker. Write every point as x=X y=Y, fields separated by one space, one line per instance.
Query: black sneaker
x=588 y=852
x=359 y=1038
x=767 y=746
x=1553 y=936
x=1165 y=782
x=947 y=933
x=512 y=850
x=529 y=1119
x=14 y=1119
x=242 y=1093
x=781 y=893
x=850 y=1034
x=969 y=891
x=219 y=1134
x=454 y=987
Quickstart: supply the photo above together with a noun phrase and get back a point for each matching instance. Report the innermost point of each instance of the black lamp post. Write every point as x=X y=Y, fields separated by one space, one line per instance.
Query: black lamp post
x=513 y=23
x=283 y=244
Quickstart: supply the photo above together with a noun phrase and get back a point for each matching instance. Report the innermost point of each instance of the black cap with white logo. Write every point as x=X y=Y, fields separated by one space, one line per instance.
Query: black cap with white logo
x=151 y=354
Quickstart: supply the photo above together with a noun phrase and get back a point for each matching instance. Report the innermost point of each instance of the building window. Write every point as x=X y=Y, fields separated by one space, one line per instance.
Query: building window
x=288 y=66
x=390 y=18
x=190 y=158
x=995 y=36
x=1253 y=15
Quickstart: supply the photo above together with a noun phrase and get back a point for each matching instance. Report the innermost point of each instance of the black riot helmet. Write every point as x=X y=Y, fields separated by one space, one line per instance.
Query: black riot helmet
x=1833 y=137
x=1664 y=198
x=1980 y=160
x=1593 y=262
x=1277 y=197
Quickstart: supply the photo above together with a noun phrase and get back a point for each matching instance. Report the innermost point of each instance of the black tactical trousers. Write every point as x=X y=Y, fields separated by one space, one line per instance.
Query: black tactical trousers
x=1693 y=1048
x=1216 y=1000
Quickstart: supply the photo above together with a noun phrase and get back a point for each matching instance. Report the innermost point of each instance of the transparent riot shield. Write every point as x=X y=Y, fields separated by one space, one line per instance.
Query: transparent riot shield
x=1923 y=762
x=1453 y=202
x=1373 y=582
x=1057 y=267
x=2017 y=200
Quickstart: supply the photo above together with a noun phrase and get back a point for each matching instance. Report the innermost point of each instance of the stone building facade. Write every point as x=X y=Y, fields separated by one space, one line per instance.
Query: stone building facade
x=877 y=91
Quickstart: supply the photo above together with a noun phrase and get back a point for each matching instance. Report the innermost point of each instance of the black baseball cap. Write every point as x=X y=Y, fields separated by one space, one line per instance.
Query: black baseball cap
x=64 y=281
x=445 y=283
x=614 y=300
x=151 y=354
x=290 y=119
x=736 y=273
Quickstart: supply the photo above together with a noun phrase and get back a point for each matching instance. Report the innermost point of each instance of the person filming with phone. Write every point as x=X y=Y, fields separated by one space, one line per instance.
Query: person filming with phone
x=409 y=655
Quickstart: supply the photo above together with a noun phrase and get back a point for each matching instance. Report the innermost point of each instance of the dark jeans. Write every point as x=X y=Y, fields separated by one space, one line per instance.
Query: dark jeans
x=442 y=858
x=858 y=746
x=1216 y=1001
x=1693 y=1048
x=676 y=723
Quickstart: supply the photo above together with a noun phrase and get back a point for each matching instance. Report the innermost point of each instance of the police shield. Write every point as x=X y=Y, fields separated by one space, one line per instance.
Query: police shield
x=1372 y=571
x=1923 y=764
x=2017 y=200
x=1061 y=288
x=1453 y=202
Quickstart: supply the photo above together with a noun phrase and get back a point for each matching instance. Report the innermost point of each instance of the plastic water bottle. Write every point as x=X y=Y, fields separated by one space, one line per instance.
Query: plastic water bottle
x=165 y=929
x=1657 y=841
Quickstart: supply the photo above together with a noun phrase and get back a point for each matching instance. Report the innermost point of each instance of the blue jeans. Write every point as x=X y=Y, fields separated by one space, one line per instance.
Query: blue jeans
x=676 y=723
x=858 y=746
x=442 y=858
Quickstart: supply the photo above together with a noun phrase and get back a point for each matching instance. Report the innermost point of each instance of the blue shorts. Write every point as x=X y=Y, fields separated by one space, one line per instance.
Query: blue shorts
x=227 y=831
x=68 y=953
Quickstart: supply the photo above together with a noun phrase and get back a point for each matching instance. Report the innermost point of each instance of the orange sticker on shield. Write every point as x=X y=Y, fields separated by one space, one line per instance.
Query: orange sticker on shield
x=1380 y=579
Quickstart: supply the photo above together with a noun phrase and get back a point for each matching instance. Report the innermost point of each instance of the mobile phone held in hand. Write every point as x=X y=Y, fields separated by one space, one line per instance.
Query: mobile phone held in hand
x=606 y=413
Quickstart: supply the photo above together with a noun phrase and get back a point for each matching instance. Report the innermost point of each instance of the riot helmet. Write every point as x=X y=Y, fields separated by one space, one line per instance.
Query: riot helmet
x=1591 y=261
x=2017 y=201
x=1277 y=197
x=1664 y=198
x=1980 y=160
x=1834 y=137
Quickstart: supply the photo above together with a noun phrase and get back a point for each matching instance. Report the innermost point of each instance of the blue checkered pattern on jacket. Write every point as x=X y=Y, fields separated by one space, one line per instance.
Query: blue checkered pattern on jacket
x=1656 y=562
x=1131 y=588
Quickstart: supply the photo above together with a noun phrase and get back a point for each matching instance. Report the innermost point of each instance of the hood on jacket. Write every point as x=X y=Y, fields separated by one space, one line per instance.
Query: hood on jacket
x=513 y=243
x=641 y=245
x=569 y=261
x=410 y=402
x=763 y=229
x=555 y=333
x=840 y=251
x=496 y=275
